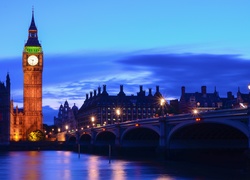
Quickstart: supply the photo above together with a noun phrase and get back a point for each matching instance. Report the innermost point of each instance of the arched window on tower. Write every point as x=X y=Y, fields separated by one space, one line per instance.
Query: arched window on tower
x=32 y=35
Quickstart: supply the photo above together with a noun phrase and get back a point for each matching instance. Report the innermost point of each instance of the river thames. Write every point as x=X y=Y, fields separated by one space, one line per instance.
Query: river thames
x=66 y=165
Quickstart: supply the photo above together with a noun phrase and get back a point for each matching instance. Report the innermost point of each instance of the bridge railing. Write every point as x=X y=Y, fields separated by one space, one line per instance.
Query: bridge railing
x=226 y=113
x=230 y=113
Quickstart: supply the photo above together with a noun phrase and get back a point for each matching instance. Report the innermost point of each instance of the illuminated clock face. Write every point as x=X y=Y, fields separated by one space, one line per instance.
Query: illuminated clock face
x=32 y=60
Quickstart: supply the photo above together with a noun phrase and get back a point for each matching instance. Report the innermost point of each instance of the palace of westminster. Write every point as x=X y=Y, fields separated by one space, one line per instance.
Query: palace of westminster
x=98 y=109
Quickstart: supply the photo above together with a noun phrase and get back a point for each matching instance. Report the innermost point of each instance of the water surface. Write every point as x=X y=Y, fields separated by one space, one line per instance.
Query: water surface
x=64 y=165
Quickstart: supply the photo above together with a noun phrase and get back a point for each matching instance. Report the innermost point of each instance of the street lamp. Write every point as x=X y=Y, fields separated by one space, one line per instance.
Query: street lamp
x=67 y=127
x=195 y=111
x=196 y=115
x=162 y=103
x=249 y=93
x=93 y=120
x=118 y=112
x=59 y=130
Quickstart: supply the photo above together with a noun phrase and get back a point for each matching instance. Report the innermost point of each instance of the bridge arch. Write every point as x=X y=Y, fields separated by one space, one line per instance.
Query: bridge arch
x=85 y=139
x=153 y=128
x=140 y=136
x=72 y=140
x=209 y=134
x=105 y=138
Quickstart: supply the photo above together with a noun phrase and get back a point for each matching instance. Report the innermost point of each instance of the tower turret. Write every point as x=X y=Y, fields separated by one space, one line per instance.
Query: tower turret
x=8 y=82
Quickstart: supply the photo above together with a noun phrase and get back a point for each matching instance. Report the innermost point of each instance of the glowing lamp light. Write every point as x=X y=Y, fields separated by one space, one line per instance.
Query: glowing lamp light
x=162 y=102
x=195 y=111
x=242 y=105
x=197 y=119
x=137 y=125
x=118 y=112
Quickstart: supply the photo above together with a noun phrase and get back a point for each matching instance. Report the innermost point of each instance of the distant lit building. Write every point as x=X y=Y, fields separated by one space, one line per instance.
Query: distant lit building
x=66 y=119
x=243 y=100
x=210 y=101
x=199 y=100
x=100 y=108
x=230 y=101
x=16 y=123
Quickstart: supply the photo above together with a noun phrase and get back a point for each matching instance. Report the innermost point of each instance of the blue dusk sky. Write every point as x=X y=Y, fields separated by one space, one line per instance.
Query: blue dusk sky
x=89 y=43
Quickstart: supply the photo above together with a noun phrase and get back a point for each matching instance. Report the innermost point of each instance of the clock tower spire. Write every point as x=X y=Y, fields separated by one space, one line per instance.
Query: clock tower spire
x=32 y=37
x=32 y=83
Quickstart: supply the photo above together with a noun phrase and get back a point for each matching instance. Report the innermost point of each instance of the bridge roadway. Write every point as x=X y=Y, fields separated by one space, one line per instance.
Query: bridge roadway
x=219 y=129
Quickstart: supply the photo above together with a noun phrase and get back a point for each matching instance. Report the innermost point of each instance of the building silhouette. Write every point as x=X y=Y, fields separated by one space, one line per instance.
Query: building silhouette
x=230 y=101
x=204 y=101
x=243 y=99
x=66 y=119
x=5 y=111
x=199 y=100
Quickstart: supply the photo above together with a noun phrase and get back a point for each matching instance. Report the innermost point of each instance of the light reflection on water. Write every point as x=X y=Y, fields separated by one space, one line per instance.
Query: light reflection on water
x=40 y=165
x=64 y=165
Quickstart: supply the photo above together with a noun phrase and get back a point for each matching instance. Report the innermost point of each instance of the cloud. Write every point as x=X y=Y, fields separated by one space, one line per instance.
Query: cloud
x=192 y=70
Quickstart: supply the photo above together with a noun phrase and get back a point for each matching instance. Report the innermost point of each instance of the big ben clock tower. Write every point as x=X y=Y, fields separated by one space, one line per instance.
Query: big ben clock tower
x=32 y=83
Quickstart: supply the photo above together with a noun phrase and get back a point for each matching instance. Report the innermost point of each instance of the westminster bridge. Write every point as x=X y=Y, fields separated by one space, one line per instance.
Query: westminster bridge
x=218 y=129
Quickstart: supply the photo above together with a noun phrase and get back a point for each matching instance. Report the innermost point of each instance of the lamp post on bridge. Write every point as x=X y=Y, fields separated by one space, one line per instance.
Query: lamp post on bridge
x=162 y=103
x=118 y=112
x=93 y=120
x=248 y=98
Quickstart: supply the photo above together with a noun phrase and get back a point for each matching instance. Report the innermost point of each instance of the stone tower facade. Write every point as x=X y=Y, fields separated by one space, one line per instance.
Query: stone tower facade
x=27 y=123
x=32 y=62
